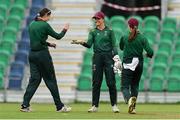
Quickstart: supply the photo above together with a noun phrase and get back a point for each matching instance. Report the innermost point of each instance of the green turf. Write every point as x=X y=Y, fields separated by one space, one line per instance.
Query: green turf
x=79 y=111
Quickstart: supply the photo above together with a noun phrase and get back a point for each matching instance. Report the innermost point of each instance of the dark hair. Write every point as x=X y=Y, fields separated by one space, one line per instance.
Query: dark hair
x=133 y=33
x=41 y=13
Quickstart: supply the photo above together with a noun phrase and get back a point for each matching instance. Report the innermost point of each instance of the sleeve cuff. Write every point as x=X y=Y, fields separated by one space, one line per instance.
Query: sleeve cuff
x=86 y=45
x=47 y=43
x=64 y=30
x=150 y=56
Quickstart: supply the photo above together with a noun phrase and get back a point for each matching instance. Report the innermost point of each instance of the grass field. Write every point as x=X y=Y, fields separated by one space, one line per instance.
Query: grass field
x=79 y=111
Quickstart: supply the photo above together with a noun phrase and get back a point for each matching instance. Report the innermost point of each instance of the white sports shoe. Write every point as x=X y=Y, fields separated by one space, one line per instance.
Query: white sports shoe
x=25 y=109
x=93 y=109
x=64 y=109
x=115 y=109
x=131 y=104
x=134 y=111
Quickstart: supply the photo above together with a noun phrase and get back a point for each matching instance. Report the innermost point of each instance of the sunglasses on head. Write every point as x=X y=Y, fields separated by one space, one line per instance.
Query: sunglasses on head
x=97 y=18
x=48 y=13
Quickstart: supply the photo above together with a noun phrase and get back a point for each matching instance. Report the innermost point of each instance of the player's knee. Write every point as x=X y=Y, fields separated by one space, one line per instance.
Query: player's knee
x=96 y=85
x=124 y=88
x=111 y=85
x=35 y=78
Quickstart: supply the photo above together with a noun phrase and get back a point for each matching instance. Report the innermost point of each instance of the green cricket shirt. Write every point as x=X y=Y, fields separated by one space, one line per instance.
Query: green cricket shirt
x=38 y=33
x=102 y=40
x=135 y=47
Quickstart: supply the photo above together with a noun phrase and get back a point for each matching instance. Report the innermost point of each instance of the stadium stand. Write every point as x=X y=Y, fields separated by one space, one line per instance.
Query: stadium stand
x=169 y=23
x=10 y=37
x=151 y=22
x=151 y=35
x=117 y=21
x=118 y=34
x=16 y=75
x=2 y=22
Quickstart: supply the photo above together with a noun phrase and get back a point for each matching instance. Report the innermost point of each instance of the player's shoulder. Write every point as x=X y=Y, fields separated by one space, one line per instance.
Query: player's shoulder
x=46 y=23
x=109 y=28
x=92 y=30
x=141 y=35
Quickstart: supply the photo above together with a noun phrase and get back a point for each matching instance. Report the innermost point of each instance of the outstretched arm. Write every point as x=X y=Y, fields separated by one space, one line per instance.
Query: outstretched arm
x=56 y=35
x=87 y=44
x=81 y=42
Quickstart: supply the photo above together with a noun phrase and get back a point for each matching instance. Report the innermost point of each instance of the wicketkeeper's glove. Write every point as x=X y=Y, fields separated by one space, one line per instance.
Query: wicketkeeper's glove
x=117 y=65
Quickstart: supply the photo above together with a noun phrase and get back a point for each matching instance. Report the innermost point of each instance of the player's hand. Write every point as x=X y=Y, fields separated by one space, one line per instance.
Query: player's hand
x=117 y=62
x=116 y=70
x=66 y=26
x=52 y=45
x=77 y=42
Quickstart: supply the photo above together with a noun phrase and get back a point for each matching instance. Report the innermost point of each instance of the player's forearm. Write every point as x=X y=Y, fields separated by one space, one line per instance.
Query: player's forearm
x=63 y=32
x=80 y=42
x=115 y=50
x=149 y=51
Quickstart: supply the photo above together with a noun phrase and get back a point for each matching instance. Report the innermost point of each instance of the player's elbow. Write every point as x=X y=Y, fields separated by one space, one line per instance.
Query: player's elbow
x=150 y=55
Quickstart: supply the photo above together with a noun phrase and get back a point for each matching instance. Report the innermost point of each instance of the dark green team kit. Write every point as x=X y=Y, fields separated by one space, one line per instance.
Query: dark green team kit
x=133 y=49
x=41 y=65
x=104 y=46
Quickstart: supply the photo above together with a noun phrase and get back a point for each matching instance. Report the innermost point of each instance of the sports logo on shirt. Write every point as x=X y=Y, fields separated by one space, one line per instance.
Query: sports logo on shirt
x=105 y=33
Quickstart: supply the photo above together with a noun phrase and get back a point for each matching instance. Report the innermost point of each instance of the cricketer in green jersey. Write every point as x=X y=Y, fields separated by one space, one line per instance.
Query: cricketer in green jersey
x=41 y=65
x=133 y=44
x=104 y=46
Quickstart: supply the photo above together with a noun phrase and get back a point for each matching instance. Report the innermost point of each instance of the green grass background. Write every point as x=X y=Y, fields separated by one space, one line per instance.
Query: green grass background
x=79 y=111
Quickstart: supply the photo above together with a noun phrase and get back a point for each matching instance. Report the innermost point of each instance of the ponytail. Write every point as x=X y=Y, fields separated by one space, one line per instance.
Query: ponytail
x=133 y=34
x=36 y=17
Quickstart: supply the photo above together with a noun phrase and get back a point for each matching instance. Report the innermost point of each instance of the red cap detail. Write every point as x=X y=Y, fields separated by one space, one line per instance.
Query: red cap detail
x=132 y=22
x=99 y=15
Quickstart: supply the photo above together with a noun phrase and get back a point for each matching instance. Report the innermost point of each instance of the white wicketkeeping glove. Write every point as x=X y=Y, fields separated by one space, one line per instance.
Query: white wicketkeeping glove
x=117 y=65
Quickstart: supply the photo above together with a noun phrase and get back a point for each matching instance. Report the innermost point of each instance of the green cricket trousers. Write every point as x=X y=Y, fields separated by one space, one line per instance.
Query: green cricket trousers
x=103 y=62
x=41 y=66
x=130 y=81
